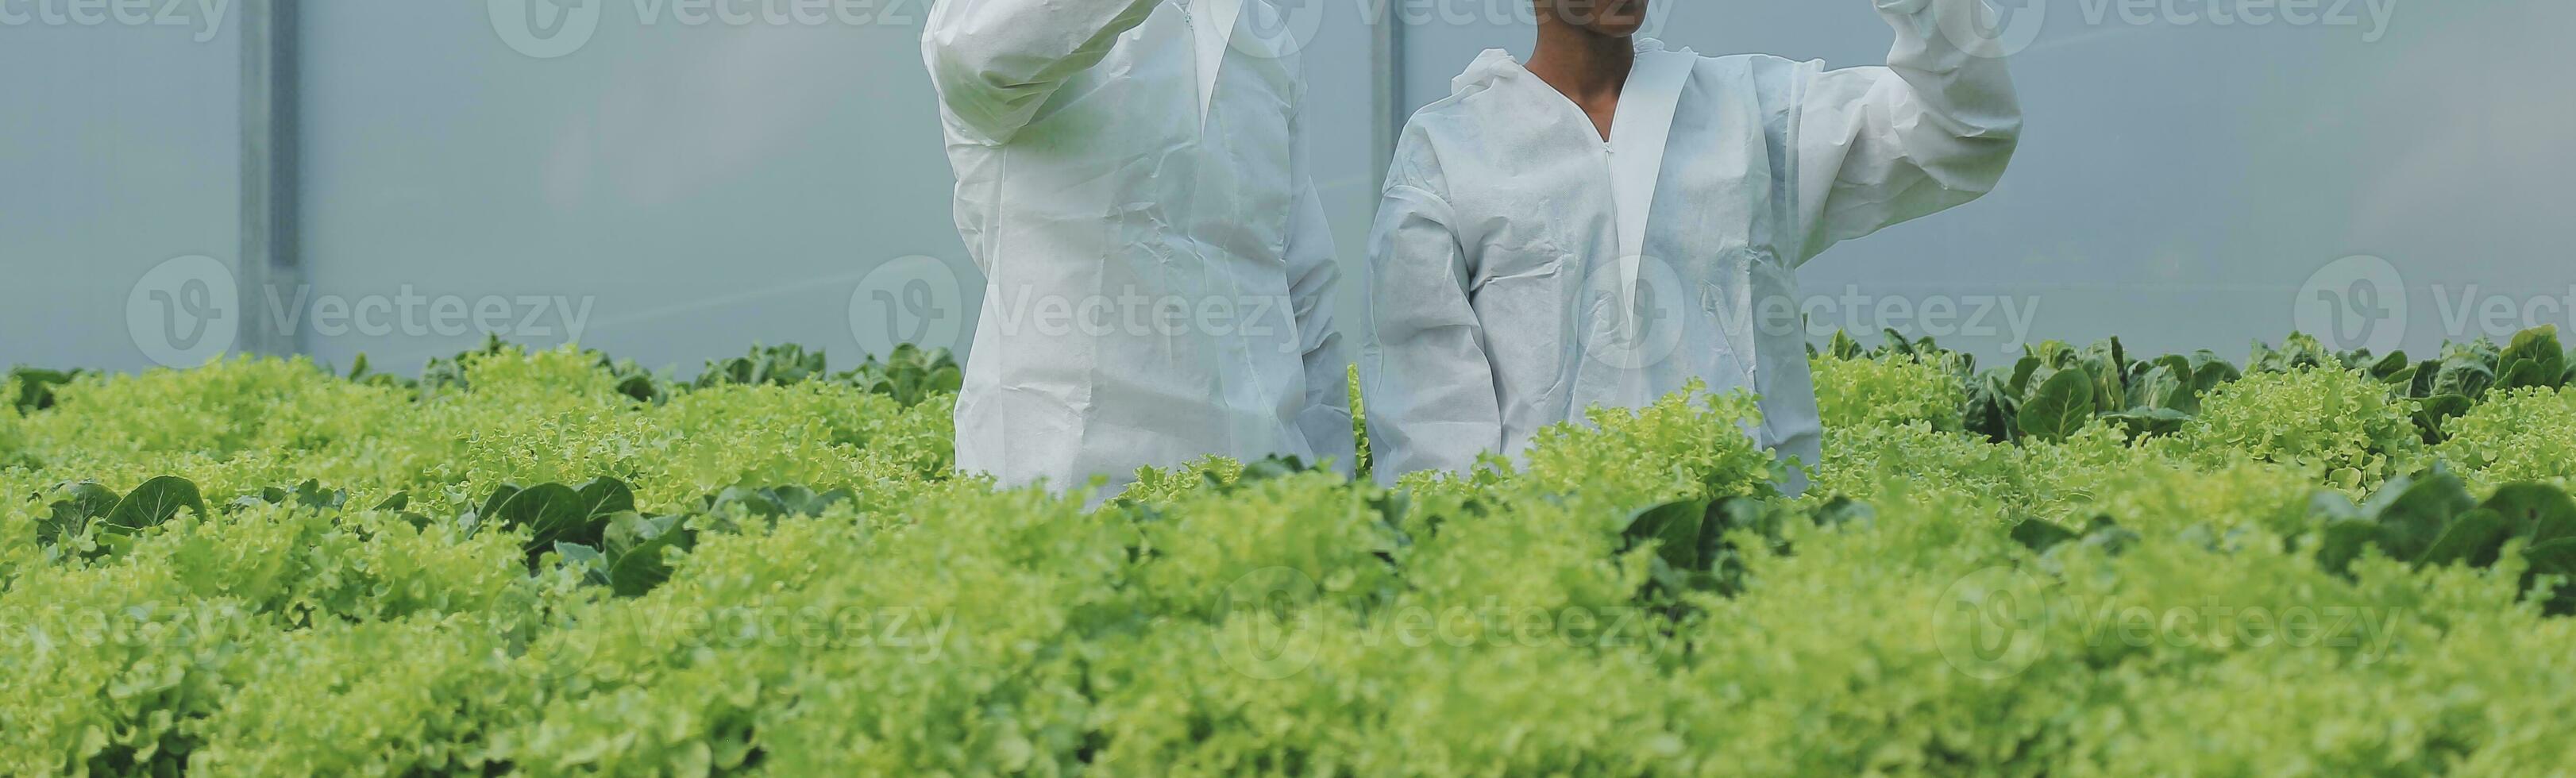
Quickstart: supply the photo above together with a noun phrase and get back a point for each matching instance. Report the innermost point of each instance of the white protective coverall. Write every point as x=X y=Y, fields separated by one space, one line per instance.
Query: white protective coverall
x=1524 y=270
x=1159 y=275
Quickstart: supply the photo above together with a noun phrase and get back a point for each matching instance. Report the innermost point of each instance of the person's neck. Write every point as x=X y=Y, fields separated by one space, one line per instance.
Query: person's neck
x=1588 y=67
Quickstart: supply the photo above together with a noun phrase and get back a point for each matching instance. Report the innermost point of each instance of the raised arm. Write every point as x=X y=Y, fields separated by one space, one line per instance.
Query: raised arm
x=1933 y=129
x=1429 y=388
x=995 y=61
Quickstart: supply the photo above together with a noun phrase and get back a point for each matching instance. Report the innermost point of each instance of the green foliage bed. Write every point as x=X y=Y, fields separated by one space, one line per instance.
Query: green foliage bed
x=545 y=563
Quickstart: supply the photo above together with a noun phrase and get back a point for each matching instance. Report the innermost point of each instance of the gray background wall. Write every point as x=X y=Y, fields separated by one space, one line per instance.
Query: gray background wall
x=2183 y=184
x=118 y=150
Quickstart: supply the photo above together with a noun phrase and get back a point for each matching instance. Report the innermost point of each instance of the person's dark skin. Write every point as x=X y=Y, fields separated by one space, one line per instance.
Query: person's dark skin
x=1585 y=49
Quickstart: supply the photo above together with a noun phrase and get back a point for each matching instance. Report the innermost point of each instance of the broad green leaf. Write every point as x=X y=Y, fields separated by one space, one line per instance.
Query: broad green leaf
x=2342 y=531
x=2434 y=413
x=2148 y=422
x=2165 y=385
x=491 y=508
x=2041 y=534
x=2533 y=359
x=585 y=558
x=1896 y=342
x=2474 y=538
x=2389 y=369
x=152 y=504
x=2464 y=376
x=74 y=507
x=1991 y=409
x=2209 y=372
x=1730 y=515
x=2341 y=542
x=2108 y=390
x=2554 y=558
x=2413 y=511
x=1674 y=526
x=1842 y=510
x=2526 y=373
x=948 y=379
x=2060 y=407
x=36 y=387
x=2537 y=511
x=603 y=496
x=637 y=547
x=2108 y=535
x=552 y=513
x=2425 y=372
x=2020 y=384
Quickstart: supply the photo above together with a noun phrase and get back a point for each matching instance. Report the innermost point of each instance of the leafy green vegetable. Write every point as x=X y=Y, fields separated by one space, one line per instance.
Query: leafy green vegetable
x=2062 y=405
x=550 y=562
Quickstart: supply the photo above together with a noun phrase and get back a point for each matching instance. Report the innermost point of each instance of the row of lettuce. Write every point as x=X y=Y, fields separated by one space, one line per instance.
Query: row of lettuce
x=552 y=562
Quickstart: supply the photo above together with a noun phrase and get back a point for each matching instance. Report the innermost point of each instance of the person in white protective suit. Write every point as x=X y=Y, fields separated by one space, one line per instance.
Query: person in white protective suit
x=1613 y=219
x=1159 y=276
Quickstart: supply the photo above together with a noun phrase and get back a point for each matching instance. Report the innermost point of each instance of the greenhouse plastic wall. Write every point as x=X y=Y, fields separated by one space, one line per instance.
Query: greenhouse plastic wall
x=672 y=190
x=669 y=187
x=2197 y=174
x=119 y=150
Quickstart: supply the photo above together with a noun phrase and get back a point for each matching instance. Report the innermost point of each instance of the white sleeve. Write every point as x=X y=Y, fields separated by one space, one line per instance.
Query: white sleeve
x=1429 y=389
x=1314 y=281
x=994 y=62
x=1876 y=146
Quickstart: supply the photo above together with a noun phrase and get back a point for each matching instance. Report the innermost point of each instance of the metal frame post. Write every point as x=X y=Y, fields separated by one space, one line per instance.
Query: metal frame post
x=271 y=263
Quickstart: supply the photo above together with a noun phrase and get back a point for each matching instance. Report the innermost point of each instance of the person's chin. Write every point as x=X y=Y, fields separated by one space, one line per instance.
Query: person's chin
x=1625 y=18
x=1618 y=27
